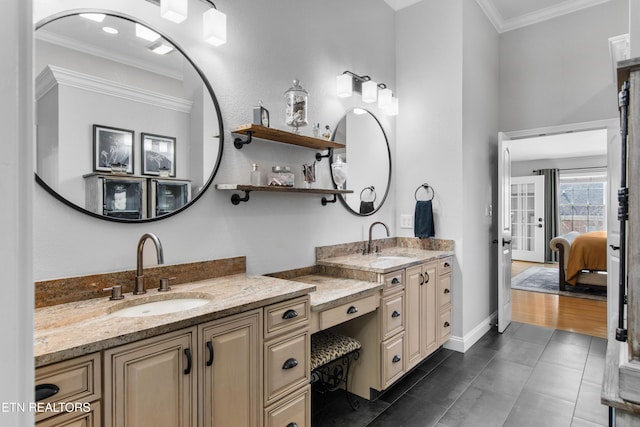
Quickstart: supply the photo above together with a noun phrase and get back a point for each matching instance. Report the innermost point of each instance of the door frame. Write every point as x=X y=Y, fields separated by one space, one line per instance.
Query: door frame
x=613 y=130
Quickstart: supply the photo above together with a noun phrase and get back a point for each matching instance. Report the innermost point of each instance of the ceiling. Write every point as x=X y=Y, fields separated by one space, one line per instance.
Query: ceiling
x=507 y=15
x=573 y=144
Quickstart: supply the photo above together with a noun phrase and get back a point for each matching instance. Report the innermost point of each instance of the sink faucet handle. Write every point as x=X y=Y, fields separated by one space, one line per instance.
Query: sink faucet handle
x=164 y=284
x=116 y=292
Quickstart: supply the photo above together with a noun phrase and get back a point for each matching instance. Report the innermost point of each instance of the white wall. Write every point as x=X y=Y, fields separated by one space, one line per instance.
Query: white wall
x=16 y=187
x=559 y=71
x=262 y=57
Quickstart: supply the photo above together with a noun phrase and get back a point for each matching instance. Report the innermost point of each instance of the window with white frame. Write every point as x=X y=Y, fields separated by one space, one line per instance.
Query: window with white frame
x=582 y=202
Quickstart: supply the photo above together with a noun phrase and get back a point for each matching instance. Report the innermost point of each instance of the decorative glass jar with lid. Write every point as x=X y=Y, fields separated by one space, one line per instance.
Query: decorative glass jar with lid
x=296 y=99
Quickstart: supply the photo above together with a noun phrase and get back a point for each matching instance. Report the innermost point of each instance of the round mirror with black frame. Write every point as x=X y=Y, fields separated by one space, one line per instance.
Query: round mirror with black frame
x=368 y=158
x=128 y=128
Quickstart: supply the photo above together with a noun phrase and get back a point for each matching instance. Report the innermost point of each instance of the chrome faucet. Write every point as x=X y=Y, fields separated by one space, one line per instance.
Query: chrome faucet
x=371 y=229
x=139 y=287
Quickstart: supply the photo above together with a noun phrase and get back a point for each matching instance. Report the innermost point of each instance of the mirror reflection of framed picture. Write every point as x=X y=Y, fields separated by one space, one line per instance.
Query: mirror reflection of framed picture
x=158 y=155
x=112 y=149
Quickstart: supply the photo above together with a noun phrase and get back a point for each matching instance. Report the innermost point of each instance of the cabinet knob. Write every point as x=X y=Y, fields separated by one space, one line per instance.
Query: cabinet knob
x=446 y=290
x=352 y=310
x=395 y=281
x=290 y=363
x=290 y=314
x=396 y=359
x=446 y=324
x=292 y=425
x=395 y=314
x=447 y=265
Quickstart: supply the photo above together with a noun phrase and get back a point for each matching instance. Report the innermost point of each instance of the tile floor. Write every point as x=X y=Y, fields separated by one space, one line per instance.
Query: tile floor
x=528 y=376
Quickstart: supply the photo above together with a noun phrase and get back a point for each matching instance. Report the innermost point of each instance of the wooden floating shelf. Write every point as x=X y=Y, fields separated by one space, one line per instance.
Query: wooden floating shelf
x=263 y=132
x=236 y=199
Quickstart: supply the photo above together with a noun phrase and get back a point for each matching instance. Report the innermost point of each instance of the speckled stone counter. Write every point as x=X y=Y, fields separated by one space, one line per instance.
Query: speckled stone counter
x=390 y=259
x=69 y=330
x=334 y=291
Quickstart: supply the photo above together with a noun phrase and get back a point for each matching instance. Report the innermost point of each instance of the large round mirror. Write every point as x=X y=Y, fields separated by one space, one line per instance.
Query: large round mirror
x=128 y=128
x=368 y=160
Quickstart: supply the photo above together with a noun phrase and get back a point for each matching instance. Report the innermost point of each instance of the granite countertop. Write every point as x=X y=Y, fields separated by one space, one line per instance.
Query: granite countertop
x=73 y=329
x=389 y=260
x=333 y=291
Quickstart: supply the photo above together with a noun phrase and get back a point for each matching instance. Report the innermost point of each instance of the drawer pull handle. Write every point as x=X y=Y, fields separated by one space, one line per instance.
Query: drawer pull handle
x=292 y=425
x=45 y=391
x=187 y=353
x=427 y=278
x=210 y=348
x=290 y=314
x=352 y=310
x=421 y=279
x=446 y=324
x=396 y=359
x=290 y=363
x=446 y=291
x=395 y=281
x=447 y=265
x=395 y=314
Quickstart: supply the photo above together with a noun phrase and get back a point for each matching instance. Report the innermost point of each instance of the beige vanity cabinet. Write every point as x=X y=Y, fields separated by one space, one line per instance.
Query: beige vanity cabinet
x=444 y=300
x=287 y=350
x=422 y=310
x=152 y=382
x=230 y=369
x=73 y=384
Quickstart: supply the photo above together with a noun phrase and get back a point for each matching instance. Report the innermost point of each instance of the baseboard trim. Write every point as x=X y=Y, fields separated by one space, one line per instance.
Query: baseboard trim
x=462 y=344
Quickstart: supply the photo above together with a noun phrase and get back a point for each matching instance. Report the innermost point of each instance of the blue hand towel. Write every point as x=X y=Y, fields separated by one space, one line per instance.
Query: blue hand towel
x=423 y=219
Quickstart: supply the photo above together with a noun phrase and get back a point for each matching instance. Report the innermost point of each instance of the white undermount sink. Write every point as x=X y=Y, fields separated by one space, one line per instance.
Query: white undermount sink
x=391 y=260
x=154 y=308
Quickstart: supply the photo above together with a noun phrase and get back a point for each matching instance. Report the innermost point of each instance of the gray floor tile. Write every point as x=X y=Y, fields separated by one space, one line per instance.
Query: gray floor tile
x=569 y=355
x=589 y=407
x=443 y=386
x=479 y=407
x=555 y=381
x=523 y=352
x=339 y=413
x=594 y=369
x=534 y=409
x=577 y=422
x=534 y=334
x=409 y=412
x=403 y=386
x=598 y=346
x=571 y=338
x=504 y=376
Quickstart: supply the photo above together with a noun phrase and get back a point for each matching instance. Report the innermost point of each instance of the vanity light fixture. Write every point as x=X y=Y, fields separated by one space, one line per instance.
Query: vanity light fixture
x=160 y=48
x=146 y=33
x=110 y=30
x=214 y=22
x=348 y=82
x=359 y=111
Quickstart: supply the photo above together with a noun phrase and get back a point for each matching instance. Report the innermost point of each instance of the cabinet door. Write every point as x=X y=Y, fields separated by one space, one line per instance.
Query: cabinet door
x=429 y=311
x=152 y=382
x=413 y=303
x=231 y=371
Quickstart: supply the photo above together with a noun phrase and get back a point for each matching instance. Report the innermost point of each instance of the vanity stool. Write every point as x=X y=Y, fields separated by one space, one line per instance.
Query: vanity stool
x=326 y=348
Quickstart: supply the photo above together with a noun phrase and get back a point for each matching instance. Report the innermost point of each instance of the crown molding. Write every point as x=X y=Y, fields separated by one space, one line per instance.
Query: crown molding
x=52 y=76
x=503 y=25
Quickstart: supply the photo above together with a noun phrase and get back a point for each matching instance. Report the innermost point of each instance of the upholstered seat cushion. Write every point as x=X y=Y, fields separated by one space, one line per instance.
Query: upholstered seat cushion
x=328 y=346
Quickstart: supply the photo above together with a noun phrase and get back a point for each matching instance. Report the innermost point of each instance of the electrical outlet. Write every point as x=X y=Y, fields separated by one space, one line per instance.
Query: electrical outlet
x=406 y=221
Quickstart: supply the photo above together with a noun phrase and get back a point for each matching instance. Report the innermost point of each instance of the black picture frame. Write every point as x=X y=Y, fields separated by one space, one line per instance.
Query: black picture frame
x=158 y=153
x=112 y=147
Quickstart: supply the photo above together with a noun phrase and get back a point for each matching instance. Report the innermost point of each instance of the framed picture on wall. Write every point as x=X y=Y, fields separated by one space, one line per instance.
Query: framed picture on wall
x=112 y=149
x=158 y=155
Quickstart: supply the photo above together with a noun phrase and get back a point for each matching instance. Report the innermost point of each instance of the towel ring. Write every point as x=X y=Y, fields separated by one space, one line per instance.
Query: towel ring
x=427 y=187
x=372 y=189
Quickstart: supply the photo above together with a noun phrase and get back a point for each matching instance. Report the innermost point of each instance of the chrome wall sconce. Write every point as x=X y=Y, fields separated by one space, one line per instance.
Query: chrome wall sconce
x=348 y=82
x=214 y=22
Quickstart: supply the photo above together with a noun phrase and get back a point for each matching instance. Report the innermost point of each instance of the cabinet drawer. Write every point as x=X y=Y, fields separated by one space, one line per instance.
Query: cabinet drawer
x=286 y=365
x=294 y=411
x=393 y=280
x=348 y=311
x=444 y=290
x=392 y=360
x=78 y=380
x=444 y=326
x=91 y=418
x=285 y=316
x=392 y=315
x=444 y=265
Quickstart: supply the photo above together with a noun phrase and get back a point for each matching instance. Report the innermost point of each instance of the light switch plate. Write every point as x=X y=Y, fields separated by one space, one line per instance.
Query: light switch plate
x=406 y=221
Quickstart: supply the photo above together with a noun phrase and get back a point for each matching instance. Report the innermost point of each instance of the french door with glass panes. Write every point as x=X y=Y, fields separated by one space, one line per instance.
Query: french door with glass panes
x=527 y=218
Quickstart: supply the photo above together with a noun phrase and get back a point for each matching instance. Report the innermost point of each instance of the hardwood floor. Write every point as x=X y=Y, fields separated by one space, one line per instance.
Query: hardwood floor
x=579 y=315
